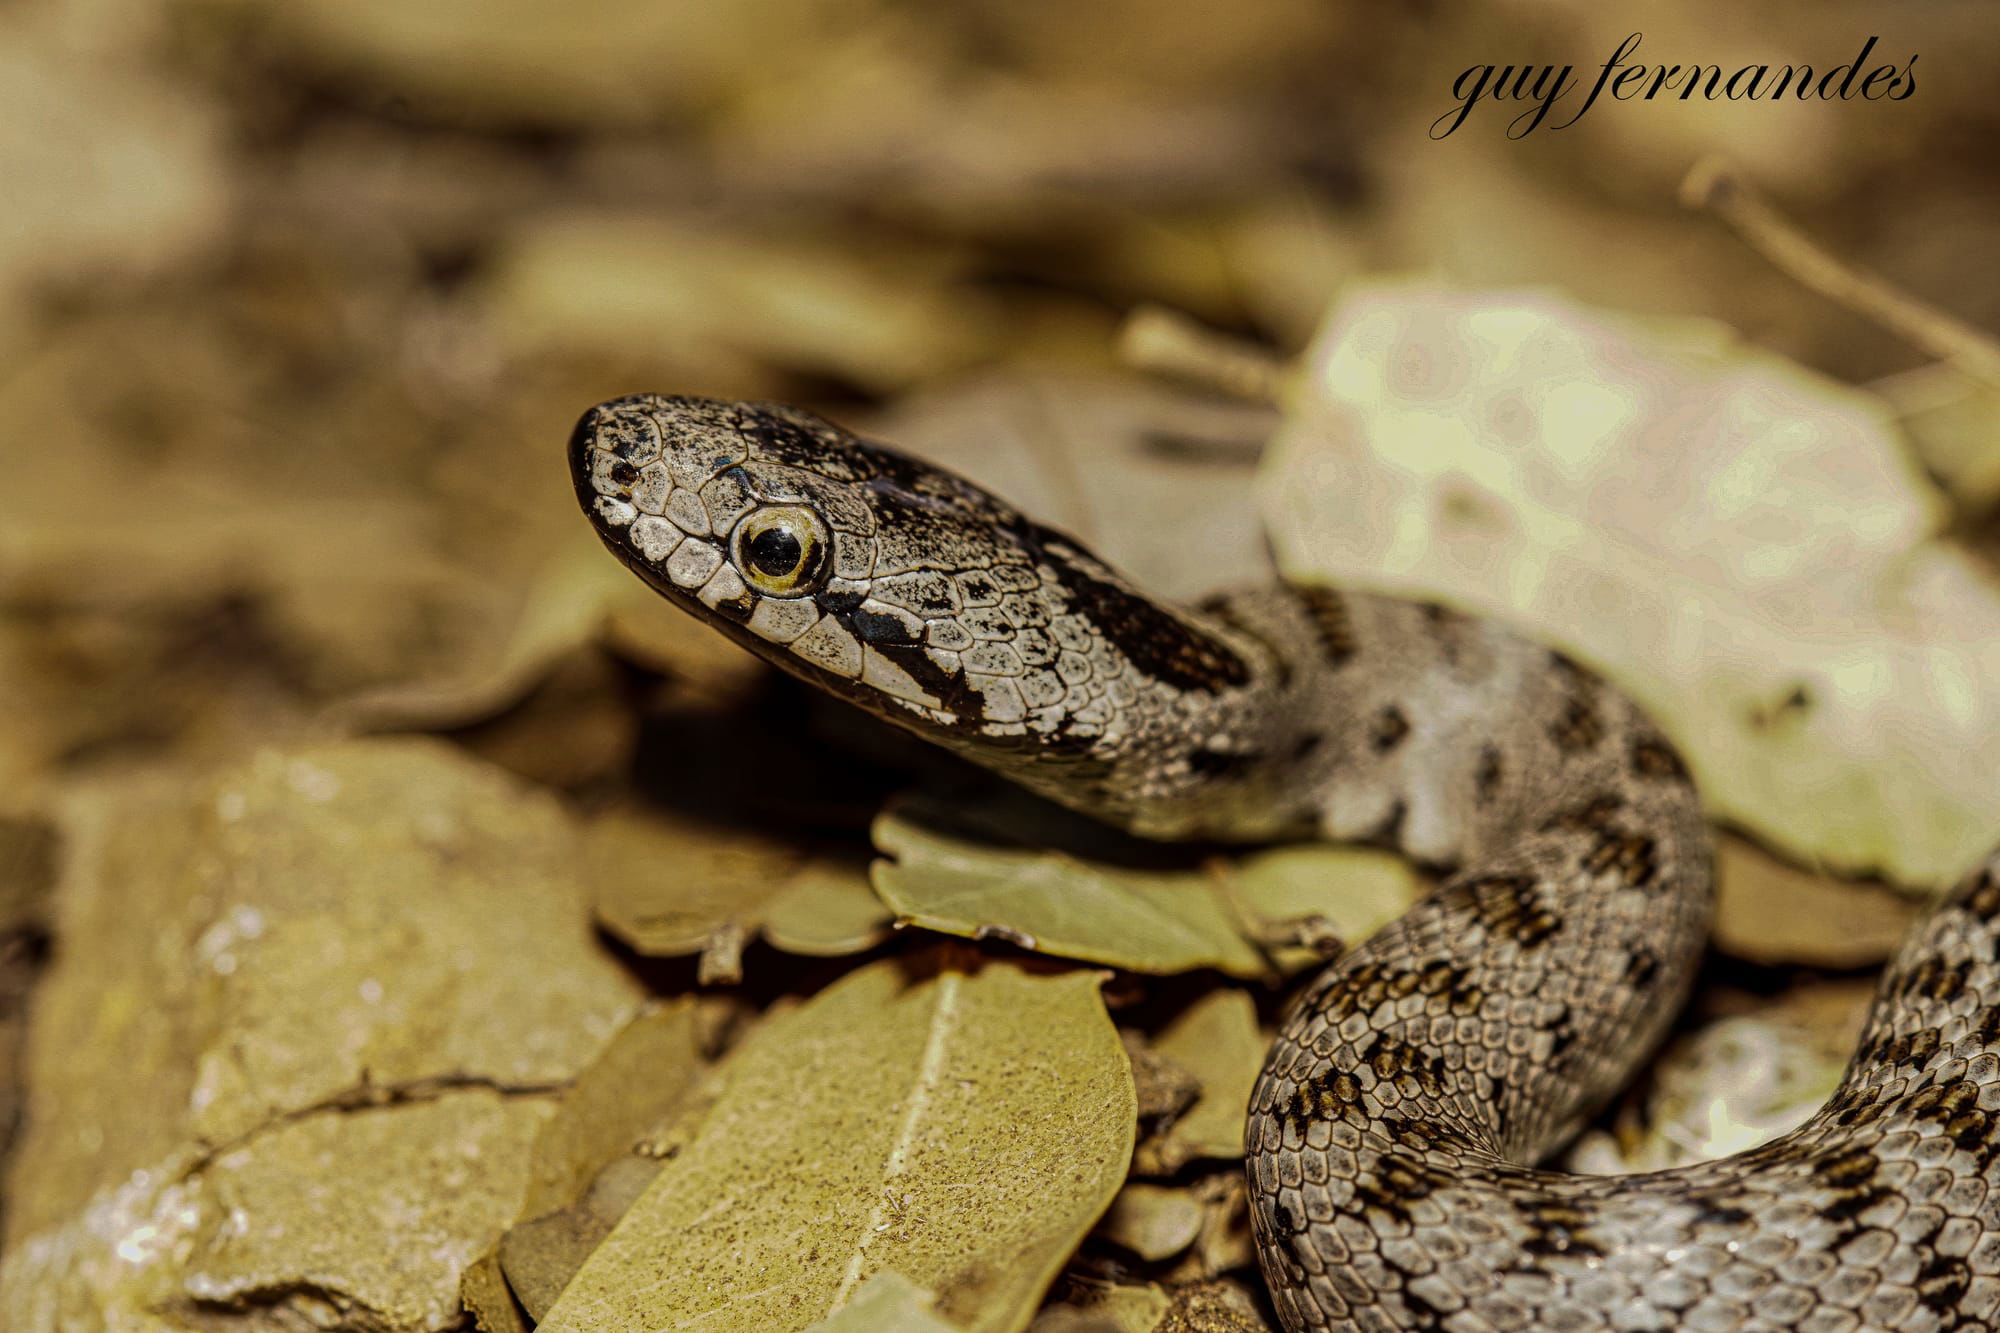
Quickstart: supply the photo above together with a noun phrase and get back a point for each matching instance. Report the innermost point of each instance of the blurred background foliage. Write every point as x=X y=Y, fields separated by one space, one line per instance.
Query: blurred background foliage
x=285 y=286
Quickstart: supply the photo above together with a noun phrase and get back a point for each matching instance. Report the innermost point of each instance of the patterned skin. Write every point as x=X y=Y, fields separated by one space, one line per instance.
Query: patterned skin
x=1393 y=1133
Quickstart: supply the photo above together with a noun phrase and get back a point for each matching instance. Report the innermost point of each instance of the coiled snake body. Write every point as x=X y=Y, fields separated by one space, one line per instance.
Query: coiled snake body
x=1394 y=1130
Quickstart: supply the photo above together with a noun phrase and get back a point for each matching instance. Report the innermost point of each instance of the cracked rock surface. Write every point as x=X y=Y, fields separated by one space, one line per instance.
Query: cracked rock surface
x=327 y=1114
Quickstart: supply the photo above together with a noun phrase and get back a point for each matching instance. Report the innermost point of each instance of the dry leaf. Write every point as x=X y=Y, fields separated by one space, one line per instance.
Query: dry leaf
x=964 y=1130
x=1308 y=898
x=952 y=872
x=722 y=300
x=1772 y=913
x=115 y=168
x=636 y=1081
x=888 y=1302
x=487 y=1299
x=670 y=885
x=1008 y=867
x=1094 y=1307
x=601 y=62
x=584 y=1174
x=1153 y=1221
x=1155 y=480
x=1742 y=545
x=1216 y=1039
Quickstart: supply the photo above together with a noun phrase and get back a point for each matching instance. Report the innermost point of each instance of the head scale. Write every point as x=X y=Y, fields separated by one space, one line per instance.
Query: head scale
x=875 y=576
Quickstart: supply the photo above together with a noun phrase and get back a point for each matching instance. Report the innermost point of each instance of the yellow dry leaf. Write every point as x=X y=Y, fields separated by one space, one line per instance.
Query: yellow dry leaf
x=1328 y=893
x=600 y=63
x=1096 y=1308
x=483 y=1289
x=1775 y=914
x=1217 y=1040
x=1153 y=1221
x=669 y=885
x=964 y=1129
x=888 y=1302
x=637 y=1080
x=1008 y=867
x=957 y=874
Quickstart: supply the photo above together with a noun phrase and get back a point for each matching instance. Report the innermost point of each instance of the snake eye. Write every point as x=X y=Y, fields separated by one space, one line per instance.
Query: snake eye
x=781 y=550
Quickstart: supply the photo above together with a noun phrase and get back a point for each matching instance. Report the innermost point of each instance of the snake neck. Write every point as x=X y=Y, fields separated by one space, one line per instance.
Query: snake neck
x=1170 y=722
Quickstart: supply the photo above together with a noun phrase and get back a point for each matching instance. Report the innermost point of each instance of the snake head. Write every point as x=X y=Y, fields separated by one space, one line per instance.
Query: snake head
x=892 y=583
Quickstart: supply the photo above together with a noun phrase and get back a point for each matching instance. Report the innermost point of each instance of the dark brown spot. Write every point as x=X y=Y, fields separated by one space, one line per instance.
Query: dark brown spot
x=1486 y=778
x=1388 y=831
x=1593 y=816
x=624 y=473
x=1632 y=857
x=1332 y=623
x=875 y=627
x=1220 y=763
x=1371 y=984
x=1424 y=1135
x=1982 y=896
x=1933 y=980
x=1330 y=1095
x=1653 y=758
x=1942 y=1284
x=739 y=607
x=1848 y=1169
x=1413 y=1072
x=1511 y=907
x=1389 y=729
x=1447 y=630
x=1578 y=727
x=1713 y=1213
x=1556 y=1228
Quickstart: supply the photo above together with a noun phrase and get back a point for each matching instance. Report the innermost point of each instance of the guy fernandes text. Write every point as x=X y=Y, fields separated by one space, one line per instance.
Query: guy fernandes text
x=1548 y=86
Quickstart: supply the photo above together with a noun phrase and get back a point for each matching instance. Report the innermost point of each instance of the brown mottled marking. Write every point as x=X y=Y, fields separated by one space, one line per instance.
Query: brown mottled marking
x=1487 y=777
x=1632 y=857
x=1511 y=907
x=1332 y=625
x=1389 y=730
x=1579 y=727
x=1655 y=759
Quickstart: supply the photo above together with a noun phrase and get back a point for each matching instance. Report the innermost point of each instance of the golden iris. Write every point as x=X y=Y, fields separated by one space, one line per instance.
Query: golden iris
x=781 y=550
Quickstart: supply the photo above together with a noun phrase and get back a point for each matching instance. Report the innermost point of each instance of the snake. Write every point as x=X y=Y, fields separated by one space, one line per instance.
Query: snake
x=1415 y=1085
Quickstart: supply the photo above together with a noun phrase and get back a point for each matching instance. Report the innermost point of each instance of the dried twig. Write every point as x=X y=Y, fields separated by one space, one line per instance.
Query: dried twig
x=1712 y=185
x=1165 y=342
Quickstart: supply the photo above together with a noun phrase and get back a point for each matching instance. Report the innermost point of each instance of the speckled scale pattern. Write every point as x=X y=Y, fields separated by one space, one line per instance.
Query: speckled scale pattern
x=1394 y=1130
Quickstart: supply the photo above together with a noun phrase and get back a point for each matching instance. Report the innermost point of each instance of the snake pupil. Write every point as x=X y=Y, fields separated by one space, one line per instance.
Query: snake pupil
x=776 y=552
